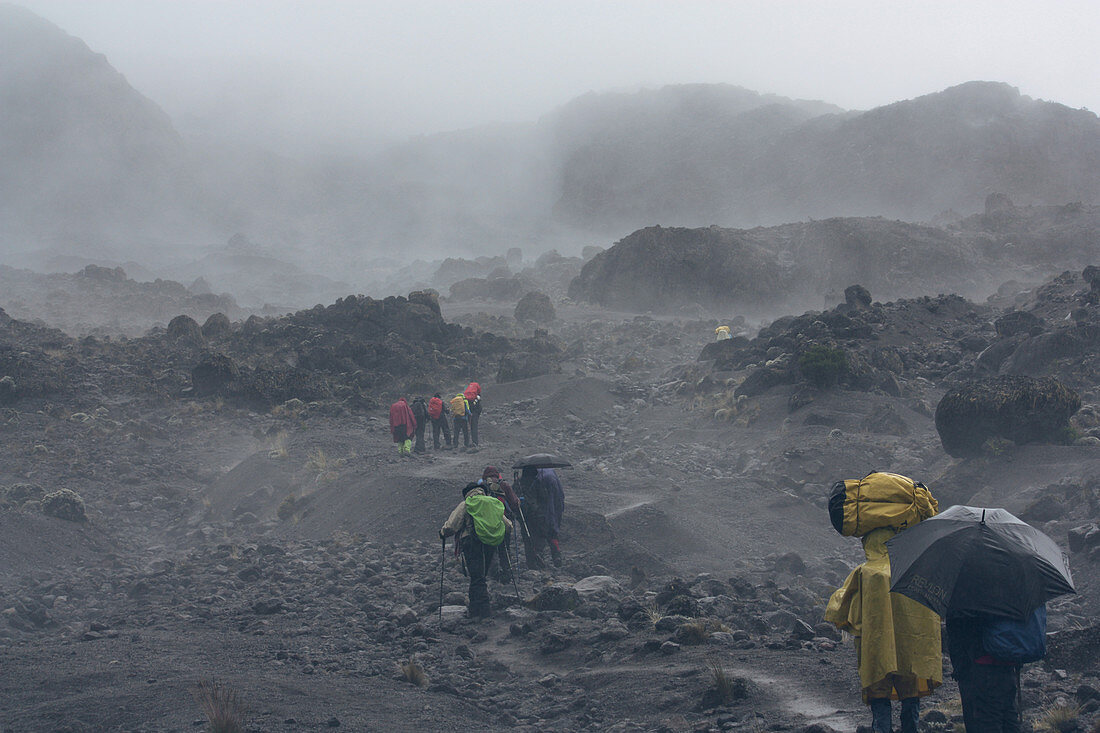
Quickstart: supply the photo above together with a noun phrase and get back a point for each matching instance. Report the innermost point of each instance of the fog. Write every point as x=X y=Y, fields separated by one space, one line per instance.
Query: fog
x=287 y=152
x=336 y=77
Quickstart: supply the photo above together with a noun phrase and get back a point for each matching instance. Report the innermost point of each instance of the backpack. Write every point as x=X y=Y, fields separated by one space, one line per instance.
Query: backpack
x=1015 y=641
x=487 y=514
x=472 y=392
x=879 y=499
x=458 y=406
x=420 y=412
x=435 y=408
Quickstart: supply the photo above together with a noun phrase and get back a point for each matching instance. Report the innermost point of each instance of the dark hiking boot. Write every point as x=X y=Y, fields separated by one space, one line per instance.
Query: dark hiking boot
x=555 y=557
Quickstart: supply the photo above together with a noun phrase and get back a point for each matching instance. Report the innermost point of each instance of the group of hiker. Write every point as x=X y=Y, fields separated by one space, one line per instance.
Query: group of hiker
x=408 y=421
x=922 y=566
x=487 y=519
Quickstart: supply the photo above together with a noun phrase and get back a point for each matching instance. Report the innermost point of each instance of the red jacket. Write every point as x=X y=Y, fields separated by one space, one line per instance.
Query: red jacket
x=402 y=414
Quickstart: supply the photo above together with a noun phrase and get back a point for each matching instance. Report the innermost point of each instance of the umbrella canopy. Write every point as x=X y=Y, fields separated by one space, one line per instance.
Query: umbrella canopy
x=542 y=460
x=975 y=560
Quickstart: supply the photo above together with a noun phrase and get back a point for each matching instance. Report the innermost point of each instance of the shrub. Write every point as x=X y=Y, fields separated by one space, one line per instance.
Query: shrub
x=221 y=705
x=822 y=365
x=64 y=504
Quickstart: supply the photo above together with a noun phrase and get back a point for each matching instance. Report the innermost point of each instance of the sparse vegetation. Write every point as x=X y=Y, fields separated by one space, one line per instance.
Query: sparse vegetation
x=323 y=468
x=1058 y=719
x=221 y=705
x=822 y=365
x=64 y=504
x=287 y=507
x=278 y=447
x=412 y=672
x=654 y=613
x=727 y=688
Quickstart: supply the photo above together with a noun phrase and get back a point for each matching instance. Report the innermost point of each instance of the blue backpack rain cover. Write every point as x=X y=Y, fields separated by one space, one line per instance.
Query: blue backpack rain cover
x=1018 y=642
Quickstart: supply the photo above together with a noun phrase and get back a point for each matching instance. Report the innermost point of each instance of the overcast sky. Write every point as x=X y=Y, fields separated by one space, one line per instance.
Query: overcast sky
x=325 y=73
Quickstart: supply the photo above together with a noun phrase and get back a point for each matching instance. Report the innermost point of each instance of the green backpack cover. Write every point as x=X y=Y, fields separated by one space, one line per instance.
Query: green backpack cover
x=487 y=514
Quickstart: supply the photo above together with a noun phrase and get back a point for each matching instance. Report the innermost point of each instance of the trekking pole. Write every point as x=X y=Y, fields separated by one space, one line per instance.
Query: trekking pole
x=442 y=566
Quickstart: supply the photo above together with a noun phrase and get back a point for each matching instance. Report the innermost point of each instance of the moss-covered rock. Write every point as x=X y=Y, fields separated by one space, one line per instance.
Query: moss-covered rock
x=1016 y=408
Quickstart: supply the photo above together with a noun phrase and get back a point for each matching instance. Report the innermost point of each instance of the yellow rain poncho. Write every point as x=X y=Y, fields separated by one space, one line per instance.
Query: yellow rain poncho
x=897 y=639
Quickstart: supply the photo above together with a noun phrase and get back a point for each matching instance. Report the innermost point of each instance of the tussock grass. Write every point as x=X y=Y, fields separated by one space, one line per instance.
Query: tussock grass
x=412 y=672
x=1058 y=719
x=727 y=687
x=277 y=448
x=222 y=706
x=654 y=613
x=323 y=467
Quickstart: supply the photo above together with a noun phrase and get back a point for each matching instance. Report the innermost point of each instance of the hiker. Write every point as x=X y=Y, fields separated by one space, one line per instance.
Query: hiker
x=420 y=412
x=989 y=684
x=543 y=504
x=480 y=526
x=437 y=413
x=497 y=487
x=402 y=426
x=473 y=399
x=721 y=333
x=897 y=639
x=460 y=409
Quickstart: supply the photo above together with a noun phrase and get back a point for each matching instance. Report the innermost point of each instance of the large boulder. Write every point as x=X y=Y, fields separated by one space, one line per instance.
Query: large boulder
x=64 y=504
x=213 y=374
x=184 y=328
x=535 y=306
x=1017 y=408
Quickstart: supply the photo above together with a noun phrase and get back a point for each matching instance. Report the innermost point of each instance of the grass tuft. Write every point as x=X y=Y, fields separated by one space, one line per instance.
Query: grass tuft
x=727 y=687
x=221 y=705
x=412 y=672
x=1059 y=719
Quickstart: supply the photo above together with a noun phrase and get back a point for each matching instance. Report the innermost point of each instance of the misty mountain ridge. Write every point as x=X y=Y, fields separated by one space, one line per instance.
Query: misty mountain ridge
x=95 y=169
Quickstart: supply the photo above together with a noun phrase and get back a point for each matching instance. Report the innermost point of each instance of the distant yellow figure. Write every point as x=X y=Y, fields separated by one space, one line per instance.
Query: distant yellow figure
x=721 y=333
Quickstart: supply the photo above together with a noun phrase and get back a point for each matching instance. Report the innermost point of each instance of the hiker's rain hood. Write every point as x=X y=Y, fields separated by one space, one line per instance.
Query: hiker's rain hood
x=895 y=635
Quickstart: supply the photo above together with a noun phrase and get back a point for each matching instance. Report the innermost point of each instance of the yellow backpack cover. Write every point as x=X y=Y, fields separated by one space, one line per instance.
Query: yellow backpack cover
x=879 y=499
x=458 y=406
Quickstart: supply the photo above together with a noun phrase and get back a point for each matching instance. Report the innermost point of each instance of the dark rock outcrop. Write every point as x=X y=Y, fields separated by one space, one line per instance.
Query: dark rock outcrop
x=535 y=306
x=1016 y=408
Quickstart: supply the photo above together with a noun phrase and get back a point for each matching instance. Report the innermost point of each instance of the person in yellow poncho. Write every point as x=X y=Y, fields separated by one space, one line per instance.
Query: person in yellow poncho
x=897 y=639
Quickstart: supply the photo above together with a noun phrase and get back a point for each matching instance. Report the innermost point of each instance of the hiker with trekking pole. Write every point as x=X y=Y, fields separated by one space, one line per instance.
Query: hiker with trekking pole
x=479 y=524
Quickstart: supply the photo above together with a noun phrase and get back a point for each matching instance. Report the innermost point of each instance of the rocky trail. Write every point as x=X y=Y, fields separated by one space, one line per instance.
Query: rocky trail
x=284 y=549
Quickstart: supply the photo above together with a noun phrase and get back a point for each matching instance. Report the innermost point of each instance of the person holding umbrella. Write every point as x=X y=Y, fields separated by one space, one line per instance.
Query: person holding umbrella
x=989 y=575
x=542 y=505
x=897 y=639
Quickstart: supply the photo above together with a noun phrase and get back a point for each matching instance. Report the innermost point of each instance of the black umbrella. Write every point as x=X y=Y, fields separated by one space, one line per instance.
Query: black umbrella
x=974 y=560
x=542 y=460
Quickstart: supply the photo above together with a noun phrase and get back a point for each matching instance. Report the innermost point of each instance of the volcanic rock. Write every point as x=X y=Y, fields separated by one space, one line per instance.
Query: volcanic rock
x=1016 y=408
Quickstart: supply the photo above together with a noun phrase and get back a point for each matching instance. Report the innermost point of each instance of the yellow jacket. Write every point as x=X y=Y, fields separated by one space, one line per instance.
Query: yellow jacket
x=897 y=639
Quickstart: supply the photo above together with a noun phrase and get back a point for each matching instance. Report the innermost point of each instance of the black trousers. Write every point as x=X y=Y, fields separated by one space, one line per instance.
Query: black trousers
x=440 y=424
x=479 y=559
x=989 y=695
x=462 y=425
x=475 y=415
x=419 y=447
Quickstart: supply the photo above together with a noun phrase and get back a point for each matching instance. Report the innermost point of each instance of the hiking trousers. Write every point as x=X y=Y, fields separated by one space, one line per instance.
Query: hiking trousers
x=462 y=426
x=479 y=559
x=475 y=416
x=989 y=695
x=440 y=424
x=419 y=447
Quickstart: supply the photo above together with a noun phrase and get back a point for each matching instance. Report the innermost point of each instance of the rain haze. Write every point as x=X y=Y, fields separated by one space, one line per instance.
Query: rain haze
x=338 y=77
x=280 y=282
